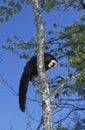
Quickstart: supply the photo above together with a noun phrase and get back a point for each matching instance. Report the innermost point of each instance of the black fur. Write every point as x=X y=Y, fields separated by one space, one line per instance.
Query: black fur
x=30 y=71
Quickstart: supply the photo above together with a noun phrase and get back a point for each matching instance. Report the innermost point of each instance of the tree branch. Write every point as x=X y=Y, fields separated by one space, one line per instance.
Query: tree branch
x=82 y=3
x=40 y=123
x=76 y=109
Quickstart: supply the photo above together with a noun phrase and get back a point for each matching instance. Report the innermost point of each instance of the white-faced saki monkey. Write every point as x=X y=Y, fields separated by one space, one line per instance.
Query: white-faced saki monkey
x=30 y=70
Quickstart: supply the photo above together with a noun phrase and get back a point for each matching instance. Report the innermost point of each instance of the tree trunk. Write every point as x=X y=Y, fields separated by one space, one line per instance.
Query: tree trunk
x=46 y=104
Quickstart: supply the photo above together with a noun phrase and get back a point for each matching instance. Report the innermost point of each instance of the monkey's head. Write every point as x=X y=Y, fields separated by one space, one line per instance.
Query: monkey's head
x=52 y=64
x=51 y=61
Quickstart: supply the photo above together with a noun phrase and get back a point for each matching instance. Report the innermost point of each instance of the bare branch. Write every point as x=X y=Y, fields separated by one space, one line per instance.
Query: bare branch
x=73 y=100
x=76 y=109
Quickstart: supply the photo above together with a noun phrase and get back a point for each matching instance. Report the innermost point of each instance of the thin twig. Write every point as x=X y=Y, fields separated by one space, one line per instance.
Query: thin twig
x=40 y=123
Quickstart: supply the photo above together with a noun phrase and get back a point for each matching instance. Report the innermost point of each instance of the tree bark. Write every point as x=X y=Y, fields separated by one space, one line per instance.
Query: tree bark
x=46 y=103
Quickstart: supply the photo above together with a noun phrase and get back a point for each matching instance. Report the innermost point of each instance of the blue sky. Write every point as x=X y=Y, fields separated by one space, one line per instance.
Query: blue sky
x=11 y=67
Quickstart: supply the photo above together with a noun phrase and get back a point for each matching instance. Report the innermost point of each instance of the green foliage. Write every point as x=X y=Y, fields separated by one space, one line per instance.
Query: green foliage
x=1 y=20
x=9 y=8
x=11 y=3
x=60 y=127
x=19 y=7
x=83 y=17
x=60 y=5
x=76 y=42
x=4 y=1
x=74 y=50
x=70 y=44
x=48 y=4
x=28 y=1
x=20 y=47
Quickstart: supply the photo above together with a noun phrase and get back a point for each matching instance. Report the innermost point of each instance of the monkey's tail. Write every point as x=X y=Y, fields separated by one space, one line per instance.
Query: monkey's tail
x=23 y=90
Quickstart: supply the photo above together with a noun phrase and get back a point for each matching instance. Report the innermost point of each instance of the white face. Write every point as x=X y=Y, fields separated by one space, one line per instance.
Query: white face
x=52 y=64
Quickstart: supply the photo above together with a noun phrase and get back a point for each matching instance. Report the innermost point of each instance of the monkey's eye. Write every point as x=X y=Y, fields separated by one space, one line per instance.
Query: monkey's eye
x=52 y=64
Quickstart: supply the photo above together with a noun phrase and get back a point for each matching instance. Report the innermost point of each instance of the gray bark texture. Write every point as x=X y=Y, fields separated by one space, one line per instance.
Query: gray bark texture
x=46 y=103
